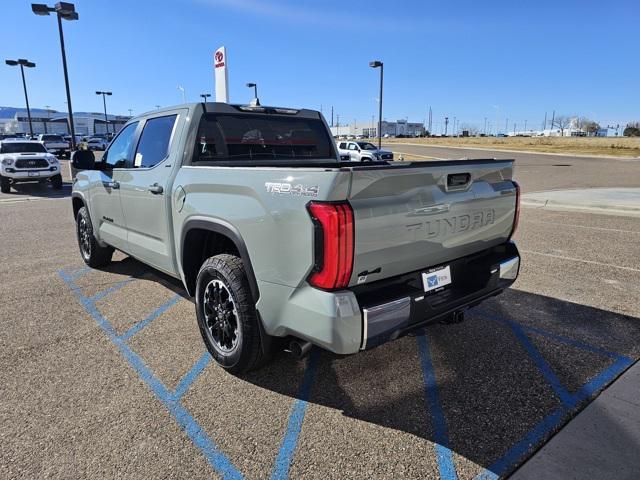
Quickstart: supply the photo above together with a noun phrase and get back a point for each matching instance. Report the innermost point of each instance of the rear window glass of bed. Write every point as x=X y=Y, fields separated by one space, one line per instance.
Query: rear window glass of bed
x=231 y=137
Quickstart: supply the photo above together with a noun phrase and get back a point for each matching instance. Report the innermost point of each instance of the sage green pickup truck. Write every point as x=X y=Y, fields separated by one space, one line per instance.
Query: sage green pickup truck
x=282 y=244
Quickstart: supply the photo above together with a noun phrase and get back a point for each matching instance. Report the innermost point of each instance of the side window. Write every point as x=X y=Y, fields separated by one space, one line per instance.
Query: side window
x=343 y=146
x=352 y=146
x=153 y=146
x=120 y=148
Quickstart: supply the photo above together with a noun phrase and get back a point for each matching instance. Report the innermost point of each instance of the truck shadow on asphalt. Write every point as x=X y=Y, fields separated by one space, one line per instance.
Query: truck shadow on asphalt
x=491 y=389
x=487 y=392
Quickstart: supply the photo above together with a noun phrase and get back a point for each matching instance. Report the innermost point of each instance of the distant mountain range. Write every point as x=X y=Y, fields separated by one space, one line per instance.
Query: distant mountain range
x=10 y=112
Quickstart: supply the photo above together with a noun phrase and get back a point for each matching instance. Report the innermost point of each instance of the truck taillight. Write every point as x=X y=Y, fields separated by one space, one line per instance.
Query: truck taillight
x=333 y=239
x=516 y=217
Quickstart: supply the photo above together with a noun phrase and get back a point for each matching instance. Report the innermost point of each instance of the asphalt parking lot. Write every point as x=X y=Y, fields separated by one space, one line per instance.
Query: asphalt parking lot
x=105 y=375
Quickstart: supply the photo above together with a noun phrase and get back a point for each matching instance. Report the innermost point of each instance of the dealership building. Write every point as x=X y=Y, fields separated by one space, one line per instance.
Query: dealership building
x=393 y=129
x=16 y=120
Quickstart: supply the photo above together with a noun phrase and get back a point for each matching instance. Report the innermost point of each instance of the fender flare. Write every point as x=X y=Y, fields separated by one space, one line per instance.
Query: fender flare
x=222 y=227
x=79 y=196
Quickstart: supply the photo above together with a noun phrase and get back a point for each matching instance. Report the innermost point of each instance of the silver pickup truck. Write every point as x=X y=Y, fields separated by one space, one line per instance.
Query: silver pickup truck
x=360 y=151
x=282 y=244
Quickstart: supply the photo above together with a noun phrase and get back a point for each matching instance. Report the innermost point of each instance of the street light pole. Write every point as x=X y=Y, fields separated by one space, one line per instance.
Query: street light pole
x=24 y=63
x=255 y=92
x=205 y=96
x=104 y=103
x=379 y=64
x=26 y=99
x=66 y=84
x=68 y=12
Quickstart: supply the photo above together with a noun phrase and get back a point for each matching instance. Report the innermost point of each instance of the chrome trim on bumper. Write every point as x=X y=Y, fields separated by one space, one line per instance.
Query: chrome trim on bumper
x=385 y=318
x=509 y=268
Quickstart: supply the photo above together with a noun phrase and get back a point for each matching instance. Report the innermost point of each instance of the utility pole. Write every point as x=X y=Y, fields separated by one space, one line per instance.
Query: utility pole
x=506 y=125
x=446 y=124
x=544 y=125
x=430 y=120
x=485 y=126
x=553 y=119
x=337 y=125
x=514 y=128
x=130 y=112
x=332 y=116
x=525 y=126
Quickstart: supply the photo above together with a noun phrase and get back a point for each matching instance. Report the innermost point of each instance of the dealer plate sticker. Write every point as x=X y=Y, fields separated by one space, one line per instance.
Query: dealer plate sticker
x=436 y=279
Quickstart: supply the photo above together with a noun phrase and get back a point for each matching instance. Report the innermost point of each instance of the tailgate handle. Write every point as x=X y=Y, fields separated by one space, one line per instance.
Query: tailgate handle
x=458 y=179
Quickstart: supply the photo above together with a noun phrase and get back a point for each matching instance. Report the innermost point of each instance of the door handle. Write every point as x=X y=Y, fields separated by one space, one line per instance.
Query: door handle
x=113 y=184
x=156 y=189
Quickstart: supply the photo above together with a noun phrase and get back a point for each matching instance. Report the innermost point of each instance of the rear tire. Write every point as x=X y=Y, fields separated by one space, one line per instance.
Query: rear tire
x=56 y=182
x=5 y=185
x=92 y=253
x=227 y=316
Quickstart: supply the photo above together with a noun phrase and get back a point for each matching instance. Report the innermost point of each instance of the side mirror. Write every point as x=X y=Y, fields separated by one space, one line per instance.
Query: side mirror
x=83 y=160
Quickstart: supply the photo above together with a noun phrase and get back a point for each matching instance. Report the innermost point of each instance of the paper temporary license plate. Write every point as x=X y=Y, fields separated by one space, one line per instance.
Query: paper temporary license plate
x=436 y=279
x=33 y=174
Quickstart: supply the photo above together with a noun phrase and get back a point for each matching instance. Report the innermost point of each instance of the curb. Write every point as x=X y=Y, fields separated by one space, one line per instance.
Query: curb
x=593 y=208
x=531 y=152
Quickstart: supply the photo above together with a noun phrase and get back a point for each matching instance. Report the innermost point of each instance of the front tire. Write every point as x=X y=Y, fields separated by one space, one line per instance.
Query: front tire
x=5 y=184
x=227 y=316
x=92 y=253
x=56 y=182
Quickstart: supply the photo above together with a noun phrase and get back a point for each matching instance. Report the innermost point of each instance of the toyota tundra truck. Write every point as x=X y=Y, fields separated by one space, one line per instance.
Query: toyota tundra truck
x=285 y=246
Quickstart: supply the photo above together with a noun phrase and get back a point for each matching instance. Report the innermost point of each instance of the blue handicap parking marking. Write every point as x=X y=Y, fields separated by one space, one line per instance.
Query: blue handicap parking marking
x=172 y=400
x=289 y=441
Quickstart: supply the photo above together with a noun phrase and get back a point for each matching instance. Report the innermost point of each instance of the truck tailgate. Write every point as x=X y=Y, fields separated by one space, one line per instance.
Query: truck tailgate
x=423 y=215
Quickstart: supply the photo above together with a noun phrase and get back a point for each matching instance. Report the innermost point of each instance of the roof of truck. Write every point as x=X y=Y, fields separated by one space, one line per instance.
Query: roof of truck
x=220 y=107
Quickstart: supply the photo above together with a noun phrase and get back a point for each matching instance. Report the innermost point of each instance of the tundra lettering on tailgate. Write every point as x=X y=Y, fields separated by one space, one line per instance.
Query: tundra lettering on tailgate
x=456 y=224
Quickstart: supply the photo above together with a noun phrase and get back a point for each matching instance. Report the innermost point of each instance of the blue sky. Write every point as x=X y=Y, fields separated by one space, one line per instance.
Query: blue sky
x=465 y=59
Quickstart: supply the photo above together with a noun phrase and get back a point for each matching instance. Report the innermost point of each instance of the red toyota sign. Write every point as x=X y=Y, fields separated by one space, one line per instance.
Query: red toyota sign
x=219 y=59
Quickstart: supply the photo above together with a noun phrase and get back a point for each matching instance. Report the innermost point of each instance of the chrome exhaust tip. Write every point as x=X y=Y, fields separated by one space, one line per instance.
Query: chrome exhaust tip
x=299 y=348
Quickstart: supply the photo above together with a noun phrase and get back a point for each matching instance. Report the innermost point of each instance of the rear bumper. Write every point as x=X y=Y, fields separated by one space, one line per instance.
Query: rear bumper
x=365 y=316
x=475 y=278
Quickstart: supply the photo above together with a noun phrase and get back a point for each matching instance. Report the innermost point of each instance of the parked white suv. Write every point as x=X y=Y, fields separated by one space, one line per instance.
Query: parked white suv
x=363 y=152
x=26 y=161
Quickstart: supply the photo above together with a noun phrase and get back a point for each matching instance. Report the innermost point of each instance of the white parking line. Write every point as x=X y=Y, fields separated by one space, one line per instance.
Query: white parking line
x=581 y=226
x=591 y=262
x=415 y=155
x=10 y=201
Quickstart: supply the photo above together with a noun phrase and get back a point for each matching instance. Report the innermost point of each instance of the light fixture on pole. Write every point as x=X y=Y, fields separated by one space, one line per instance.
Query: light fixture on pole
x=66 y=11
x=104 y=103
x=205 y=96
x=379 y=64
x=255 y=101
x=24 y=63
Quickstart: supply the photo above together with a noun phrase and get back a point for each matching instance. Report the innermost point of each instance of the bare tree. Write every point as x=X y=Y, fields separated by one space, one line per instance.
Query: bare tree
x=590 y=126
x=562 y=122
